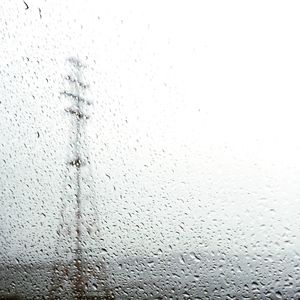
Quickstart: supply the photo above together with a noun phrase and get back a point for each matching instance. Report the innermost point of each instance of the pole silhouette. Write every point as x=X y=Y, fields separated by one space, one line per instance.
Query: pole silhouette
x=78 y=273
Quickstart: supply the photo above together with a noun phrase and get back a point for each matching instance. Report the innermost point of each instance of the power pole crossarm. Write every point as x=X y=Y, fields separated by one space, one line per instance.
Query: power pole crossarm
x=77 y=112
x=76 y=97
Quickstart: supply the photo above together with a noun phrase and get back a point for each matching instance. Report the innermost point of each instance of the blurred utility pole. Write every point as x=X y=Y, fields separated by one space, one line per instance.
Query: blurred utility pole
x=76 y=275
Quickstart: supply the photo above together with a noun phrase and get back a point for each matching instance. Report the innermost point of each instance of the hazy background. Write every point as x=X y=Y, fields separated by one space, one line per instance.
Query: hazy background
x=195 y=121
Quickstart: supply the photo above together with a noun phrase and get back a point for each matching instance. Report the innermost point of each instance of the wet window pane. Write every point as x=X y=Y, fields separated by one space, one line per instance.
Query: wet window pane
x=149 y=150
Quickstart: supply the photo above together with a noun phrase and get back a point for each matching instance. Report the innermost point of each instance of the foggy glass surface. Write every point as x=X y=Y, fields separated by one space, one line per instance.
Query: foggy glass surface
x=187 y=156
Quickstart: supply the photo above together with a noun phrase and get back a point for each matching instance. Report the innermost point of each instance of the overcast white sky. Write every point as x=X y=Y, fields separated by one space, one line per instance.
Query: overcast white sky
x=195 y=120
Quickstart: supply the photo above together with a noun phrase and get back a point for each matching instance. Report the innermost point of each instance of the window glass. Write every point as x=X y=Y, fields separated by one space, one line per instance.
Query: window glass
x=149 y=150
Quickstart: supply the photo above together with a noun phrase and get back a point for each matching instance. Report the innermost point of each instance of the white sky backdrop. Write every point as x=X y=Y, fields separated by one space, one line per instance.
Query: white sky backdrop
x=195 y=120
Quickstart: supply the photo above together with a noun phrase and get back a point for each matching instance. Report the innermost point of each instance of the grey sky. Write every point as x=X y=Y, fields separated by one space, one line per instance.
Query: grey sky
x=195 y=120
